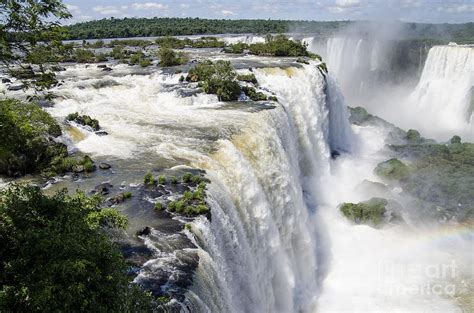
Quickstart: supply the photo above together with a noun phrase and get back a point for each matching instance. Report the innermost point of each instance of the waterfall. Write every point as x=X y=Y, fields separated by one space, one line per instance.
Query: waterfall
x=247 y=39
x=260 y=251
x=444 y=92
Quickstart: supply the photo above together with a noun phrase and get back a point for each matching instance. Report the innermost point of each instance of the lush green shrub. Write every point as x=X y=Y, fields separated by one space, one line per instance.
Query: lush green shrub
x=392 y=169
x=174 y=180
x=84 y=56
x=249 y=78
x=118 y=53
x=253 y=94
x=216 y=78
x=127 y=194
x=440 y=175
x=74 y=163
x=170 y=58
x=161 y=179
x=148 y=179
x=129 y=42
x=455 y=140
x=55 y=255
x=101 y=57
x=26 y=133
x=187 y=177
x=145 y=62
x=237 y=48
x=369 y=212
x=279 y=45
x=172 y=42
x=158 y=206
x=413 y=136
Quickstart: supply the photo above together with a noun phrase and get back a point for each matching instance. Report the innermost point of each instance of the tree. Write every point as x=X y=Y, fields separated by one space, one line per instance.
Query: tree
x=25 y=25
x=55 y=255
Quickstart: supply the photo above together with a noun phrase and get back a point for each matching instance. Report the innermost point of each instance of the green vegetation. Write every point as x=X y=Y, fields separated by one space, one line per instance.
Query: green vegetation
x=249 y=78
x=142 y=27
x=236 y=48
x=130 y=42
x=139 y=58
x=279 y=45
x=84 y=120
x=149 y=180
x=392 y=169
x=27 y=25
x=217 y=78
x=191 y=202
x=56 y=256
x=170 y=58
x=162 y=179
x=254 y=94
x=440 y=175
x=158 y=206
x=76 y=163
x=369 y=212
x=84 y=56
x=27 y=134
x=413 y=136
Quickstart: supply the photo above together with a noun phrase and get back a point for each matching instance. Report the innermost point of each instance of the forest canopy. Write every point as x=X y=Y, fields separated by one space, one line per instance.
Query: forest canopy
x=144 y=27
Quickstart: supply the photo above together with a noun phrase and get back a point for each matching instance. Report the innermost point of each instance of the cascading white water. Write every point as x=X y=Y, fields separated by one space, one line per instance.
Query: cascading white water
x=445 y=92
x=261 y=247
x=247 y=39
x=272 y=188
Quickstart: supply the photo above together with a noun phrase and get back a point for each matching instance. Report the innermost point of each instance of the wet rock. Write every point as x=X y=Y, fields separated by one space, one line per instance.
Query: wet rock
x=102 y=189
x=16 y=87
x=136 y=255
x=104 y=166
x=106 y=69
x=102 y=66
x=78 y=168
x=144 y=232
x=101 y=133
x=118 y=198
x=45 y=103
x=6 y=80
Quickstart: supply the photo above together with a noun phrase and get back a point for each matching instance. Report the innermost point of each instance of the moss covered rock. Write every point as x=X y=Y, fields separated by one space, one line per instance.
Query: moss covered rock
x=27 y=134
x=371 y=212
x=392 y=169
x=84 y=120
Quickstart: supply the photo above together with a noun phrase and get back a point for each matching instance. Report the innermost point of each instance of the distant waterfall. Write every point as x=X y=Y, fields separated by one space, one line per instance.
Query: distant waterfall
x=445 y=91
x=260 y=251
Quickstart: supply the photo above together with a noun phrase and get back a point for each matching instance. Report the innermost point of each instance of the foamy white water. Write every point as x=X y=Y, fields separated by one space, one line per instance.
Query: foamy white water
x=442 y=101
x=276 y=241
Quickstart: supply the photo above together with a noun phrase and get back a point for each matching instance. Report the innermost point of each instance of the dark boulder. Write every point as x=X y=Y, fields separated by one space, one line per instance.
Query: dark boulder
x=16 y=87
x=144 y=232
x=102 y=189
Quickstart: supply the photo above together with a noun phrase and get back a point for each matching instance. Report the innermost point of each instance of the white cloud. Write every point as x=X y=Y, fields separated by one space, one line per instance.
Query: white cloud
x=348 y=3
x=227 y=12
x=149 y=6
x=74 y=9
x=461 y=8
x=184 y=6
x=106 y=10
x=411 y=3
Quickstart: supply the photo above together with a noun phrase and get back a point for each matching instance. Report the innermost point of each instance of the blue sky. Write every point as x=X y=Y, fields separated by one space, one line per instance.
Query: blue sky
x=433 y=11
